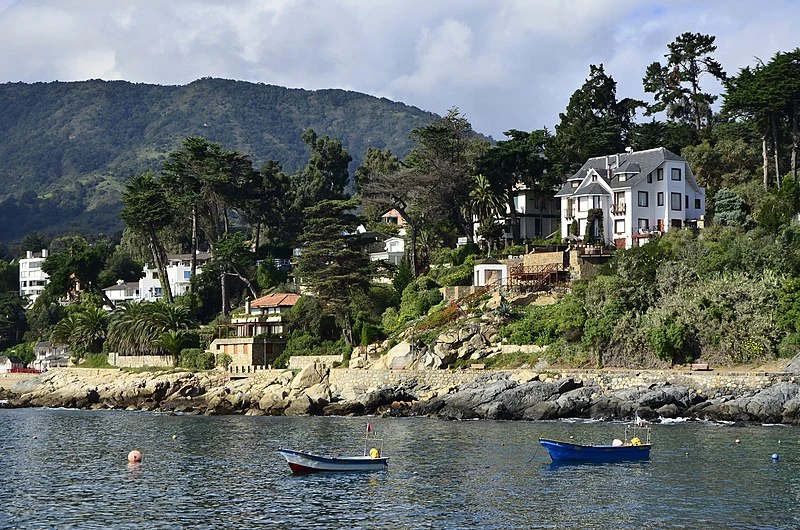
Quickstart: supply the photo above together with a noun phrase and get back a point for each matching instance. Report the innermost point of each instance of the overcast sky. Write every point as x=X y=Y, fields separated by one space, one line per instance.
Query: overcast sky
x=506 y=64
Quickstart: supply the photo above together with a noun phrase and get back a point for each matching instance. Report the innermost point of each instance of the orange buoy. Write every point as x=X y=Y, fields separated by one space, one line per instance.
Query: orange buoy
x=134 y=456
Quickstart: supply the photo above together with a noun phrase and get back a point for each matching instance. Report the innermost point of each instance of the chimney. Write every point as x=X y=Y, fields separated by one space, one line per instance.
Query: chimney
x=617 y=155
x=44 y=252
x=28 y=254
x=247 y=306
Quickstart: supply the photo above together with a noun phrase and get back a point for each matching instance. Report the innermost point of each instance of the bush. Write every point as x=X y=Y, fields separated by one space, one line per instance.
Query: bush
x=95 y=360
x=196 y=359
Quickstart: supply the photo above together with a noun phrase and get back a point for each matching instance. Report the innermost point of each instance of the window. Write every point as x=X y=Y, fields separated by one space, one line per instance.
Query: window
x=643 y=199
x=187 y=275
x=644 y=223
x=595 y=201
x=594 y=178
x=649 y=178
x=660 y=198
x=575 y=183
x=675 y=201
x=660 y=173
x=676 y=173
x=697 y=204
x=619 y=226
x=623 y=177
x=582 y=204
x=687 y=202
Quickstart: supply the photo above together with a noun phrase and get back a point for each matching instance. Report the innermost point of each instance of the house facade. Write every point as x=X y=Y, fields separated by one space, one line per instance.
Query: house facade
x=122 y=292
x=256 y=337
x=50 y=355
x=179 y=272
x=32 y=280
x=624 y=199
x=538 y=216
x=391 y=250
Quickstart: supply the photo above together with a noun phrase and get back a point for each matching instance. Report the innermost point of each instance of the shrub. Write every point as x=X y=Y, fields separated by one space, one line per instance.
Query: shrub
x=196 y=359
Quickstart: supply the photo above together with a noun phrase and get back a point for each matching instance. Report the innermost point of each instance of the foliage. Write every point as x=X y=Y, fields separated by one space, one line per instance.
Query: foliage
x=418 y=298
x=687 y=61
x=439 y=317
x=95 y=360
x=668 y=341
x=196 y=359
x=13 y=322
x=730 y=209
x=135 y=327
x=23 y=351
x=300 y=343
x=545 y=324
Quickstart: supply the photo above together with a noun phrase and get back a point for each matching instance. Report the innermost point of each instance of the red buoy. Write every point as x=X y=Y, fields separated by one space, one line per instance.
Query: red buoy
x=134 y=456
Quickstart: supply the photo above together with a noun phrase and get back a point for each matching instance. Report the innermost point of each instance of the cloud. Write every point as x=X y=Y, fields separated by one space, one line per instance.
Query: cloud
x=510 y=64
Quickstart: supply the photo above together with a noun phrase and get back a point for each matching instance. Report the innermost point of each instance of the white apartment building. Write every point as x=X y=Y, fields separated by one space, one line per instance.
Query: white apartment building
x=32 y=280
x=179 y=272
x=626 y=198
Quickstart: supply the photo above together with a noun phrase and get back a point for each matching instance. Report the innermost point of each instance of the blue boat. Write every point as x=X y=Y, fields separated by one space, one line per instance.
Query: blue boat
x=568 y=452
x=633 y=450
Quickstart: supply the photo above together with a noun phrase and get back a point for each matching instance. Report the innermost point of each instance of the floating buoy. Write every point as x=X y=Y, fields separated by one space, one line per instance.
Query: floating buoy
x=736 y=441
x=774 y=456
x=174 y=436
x=134 y=456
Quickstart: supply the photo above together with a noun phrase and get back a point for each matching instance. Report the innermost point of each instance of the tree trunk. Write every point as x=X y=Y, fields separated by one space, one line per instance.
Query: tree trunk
x=194 y=246
x=158 y=258
x=246 y=282
x=347 y=328
x=794 y=140
x=765 y=160
x=776 y=150
x=224 y=289
x=257 y=236
x=512 y=217
x=412 y=257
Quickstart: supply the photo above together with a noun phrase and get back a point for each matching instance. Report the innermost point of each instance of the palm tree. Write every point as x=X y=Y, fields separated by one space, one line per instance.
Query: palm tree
x=487 y=205
x=135 y=327
x=90 y=329
x=171 y=341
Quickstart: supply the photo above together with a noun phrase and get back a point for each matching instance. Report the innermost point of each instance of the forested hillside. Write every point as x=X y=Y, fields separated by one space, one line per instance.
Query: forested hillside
x=67 y=149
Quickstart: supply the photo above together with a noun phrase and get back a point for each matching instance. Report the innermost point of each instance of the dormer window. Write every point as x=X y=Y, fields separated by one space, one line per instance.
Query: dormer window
x=575 y=184
x=594 y=178
x=623 y=177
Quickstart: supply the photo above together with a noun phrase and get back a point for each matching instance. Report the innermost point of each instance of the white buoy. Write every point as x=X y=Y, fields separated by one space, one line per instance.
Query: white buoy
x=774 y=456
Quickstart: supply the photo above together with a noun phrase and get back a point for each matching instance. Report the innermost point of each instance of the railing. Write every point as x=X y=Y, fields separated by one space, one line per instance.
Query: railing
x=535 y=276
x=570 y=213
x=618 y=209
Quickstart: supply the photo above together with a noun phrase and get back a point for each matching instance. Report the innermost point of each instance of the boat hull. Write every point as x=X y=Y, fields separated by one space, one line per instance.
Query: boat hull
x=302 y=463
x=566 y=452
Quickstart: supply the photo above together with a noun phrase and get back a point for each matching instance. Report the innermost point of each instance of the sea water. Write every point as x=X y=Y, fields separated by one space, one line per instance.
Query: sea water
x=68 y=469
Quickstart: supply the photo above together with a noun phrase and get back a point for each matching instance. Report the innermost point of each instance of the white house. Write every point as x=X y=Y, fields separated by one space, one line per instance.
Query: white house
x=32 y=280
x=179 y=272
x=50 y=355
x=7 y=364
x=489 y=272
x=626 y=198
x=392 y=251
x=122 y=292
x=538 y=217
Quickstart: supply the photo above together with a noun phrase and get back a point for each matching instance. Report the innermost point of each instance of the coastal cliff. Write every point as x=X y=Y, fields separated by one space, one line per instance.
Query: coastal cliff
x=458 y=394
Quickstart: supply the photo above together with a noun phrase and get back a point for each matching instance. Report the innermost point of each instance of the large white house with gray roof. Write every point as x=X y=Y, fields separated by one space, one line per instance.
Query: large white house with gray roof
x=626 y=198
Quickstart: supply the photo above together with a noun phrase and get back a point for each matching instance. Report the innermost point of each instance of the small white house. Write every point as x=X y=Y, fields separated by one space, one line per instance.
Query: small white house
x=624 y=199
x=9 y=363
x=122 y=292
x=490 y=272
x=50 y=355
x=394 y=248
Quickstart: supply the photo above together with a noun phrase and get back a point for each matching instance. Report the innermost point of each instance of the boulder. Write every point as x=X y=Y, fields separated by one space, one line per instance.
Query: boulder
x=311 y=375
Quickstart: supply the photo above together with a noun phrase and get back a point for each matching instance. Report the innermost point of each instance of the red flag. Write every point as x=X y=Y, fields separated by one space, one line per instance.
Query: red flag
x=369 y=426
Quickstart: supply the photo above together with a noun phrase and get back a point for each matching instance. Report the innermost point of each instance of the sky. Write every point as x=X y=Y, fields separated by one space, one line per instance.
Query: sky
x=505 y=64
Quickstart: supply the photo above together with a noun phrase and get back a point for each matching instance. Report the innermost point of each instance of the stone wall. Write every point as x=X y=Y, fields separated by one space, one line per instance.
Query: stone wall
x=456 y=292
x=708 y=383
x=138 y=361
x=538 y=259
x=341 y=378
x=298 y=362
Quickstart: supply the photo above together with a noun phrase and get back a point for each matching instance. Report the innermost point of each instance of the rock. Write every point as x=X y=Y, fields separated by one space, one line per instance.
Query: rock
x=399 y=357
x=344 y=408
x=310 y=375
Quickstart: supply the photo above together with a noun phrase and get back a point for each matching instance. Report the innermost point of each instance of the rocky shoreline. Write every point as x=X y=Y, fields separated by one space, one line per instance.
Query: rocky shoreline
x=498 y=395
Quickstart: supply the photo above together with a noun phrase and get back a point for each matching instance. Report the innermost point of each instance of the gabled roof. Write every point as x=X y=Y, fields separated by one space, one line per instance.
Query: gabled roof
x=276 y=300
x=122 y=286
x=636 y=166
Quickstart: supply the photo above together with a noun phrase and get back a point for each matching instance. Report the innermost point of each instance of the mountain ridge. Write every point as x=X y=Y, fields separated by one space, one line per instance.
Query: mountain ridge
x=68 y=147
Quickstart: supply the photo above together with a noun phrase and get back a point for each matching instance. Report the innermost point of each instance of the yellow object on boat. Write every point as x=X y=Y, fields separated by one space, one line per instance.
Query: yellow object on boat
x=636 y=441
x=374 y=453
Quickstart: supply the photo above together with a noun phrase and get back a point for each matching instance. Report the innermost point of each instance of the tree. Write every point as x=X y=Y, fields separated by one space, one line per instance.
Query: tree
x=333 y=265
x=487 y=207
x=676 y=85
x=172 y=341
x=135 y=326
x=13 y=323
x=267 y=203
x=595 y=123
x=79 y=264
x=446 y=153
x=520 y=160
x=146 y=211
x=233 y=256
x=326 y=173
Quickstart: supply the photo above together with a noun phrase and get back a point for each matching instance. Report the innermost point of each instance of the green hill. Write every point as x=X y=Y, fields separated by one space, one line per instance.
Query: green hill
x=66 y=149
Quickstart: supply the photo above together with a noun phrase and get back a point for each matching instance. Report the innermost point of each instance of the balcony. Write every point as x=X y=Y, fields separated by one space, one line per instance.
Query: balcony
x=569 y=213
x=618 y=209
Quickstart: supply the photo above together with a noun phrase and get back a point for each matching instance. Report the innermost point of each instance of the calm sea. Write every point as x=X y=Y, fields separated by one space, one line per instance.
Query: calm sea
x=69 y=469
